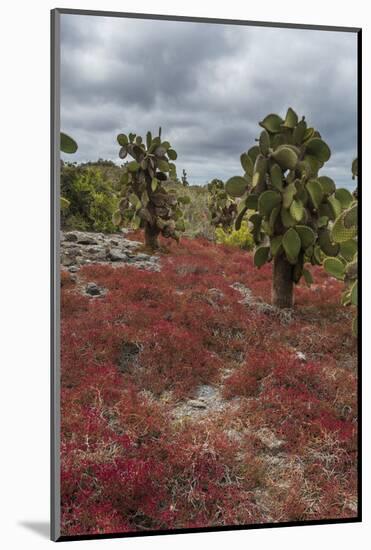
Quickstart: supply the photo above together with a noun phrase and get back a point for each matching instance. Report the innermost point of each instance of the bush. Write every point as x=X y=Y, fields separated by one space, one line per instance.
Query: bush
x=91 y=197
x=241 y=238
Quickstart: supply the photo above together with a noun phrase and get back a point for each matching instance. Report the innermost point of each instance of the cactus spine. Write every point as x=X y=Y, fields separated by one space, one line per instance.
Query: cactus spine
x=292 y=205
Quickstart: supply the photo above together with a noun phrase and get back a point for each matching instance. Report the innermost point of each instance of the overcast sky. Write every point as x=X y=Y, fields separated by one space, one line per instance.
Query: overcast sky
x=207 y=85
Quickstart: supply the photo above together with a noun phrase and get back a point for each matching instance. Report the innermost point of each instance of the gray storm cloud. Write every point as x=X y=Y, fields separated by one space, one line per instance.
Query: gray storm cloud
x=207 y=85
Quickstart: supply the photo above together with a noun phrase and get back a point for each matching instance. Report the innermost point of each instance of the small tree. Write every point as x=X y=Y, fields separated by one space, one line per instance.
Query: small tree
x=223 y=209
x=145 y=202
x=292 y=204
x=344 y=232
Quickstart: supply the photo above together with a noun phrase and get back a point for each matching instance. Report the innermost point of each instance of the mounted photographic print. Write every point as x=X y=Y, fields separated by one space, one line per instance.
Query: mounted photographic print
x=205 y=183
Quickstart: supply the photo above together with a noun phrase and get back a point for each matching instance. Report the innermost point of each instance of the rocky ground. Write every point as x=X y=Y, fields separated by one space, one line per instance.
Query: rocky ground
x=80 y=248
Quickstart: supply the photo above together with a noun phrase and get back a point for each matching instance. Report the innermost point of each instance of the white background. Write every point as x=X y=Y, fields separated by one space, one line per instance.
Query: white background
x=24 y=285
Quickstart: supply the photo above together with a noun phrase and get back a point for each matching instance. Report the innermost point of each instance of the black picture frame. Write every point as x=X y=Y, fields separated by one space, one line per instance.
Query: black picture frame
x=55 y=269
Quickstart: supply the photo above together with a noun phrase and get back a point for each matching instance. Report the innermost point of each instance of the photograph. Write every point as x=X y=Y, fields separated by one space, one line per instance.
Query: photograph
x=205 y=196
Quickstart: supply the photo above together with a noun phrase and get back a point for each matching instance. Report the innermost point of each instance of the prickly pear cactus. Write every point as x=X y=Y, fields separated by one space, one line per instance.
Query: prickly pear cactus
x=223 y=208
x=68 y=145
x=344 y=233
x=292 y=205
x=184 y=178
x=145 y=201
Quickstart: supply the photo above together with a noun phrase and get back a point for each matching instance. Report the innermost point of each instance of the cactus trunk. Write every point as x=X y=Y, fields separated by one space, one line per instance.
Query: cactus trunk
x=151 y=234
x=282 y=288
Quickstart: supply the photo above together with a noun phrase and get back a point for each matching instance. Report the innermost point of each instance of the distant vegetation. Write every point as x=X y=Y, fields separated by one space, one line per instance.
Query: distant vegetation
x=93 y=190
x=91 y=197
x=241 y=238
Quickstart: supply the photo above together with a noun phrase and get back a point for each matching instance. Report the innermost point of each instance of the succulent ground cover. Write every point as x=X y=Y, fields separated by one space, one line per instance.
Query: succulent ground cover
x=189 y=401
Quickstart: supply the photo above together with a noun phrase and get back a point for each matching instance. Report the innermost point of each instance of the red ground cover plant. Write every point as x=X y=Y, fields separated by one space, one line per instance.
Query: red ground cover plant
x=276 y=442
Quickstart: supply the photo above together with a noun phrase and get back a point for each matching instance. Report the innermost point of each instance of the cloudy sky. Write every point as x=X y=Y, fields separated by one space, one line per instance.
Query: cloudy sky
x=207 y=85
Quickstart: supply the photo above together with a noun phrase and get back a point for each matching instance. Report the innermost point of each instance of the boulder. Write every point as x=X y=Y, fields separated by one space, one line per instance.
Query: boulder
x=93 y=289
x=86 y=239
x=70 y=236
x=116 y=255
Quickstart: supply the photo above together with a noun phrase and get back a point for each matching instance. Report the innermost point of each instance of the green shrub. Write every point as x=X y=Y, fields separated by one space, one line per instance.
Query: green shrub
x=91 y=199
x=240 y=238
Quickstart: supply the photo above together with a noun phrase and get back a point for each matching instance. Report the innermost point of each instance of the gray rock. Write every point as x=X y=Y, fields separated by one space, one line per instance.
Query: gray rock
x=216 y=293
x=129 y=356
x=67 y=260
x=94 y=249
x=117 y=255
x=93 y=289
x=70 y=236
x=71 y=251
x=86 y=239
x=141 y=257
x=97 y=252
x=127 y=243
x=152 y=267
x=149 y=266
x=197 y=404
x=73 y=269
x=206 y=399
x=66 y=245
x=270 y=440
x=246 y=293
x=206 y=392
x=285 y=316
x=101 y=255
x=82 y=247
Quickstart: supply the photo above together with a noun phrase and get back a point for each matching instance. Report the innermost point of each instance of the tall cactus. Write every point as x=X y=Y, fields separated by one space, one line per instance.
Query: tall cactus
x=145 y=202
x=344 y=232
x=292 y=204
x=184 y=178
x=223 y=209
